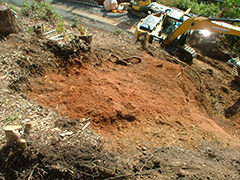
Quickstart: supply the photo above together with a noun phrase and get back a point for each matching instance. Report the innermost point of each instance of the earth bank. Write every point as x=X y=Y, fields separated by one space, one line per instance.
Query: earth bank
x=150 y=118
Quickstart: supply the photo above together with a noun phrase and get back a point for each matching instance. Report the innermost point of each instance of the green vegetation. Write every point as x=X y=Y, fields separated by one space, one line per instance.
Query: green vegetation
x=39 y=10
x=75 y=22
x=42 y=11
x=213 y=100
x=227 y=9
x=204 y=9
x=116 y=32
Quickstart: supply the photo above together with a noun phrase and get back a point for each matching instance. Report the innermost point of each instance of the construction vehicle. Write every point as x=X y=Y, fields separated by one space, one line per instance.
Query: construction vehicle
x=172 y=29
x=143 y=8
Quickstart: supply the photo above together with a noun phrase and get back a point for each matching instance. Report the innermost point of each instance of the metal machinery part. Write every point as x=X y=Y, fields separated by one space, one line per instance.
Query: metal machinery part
x=86 y=2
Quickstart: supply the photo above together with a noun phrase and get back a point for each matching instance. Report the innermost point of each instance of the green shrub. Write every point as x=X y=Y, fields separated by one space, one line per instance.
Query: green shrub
x=204 y=9
x=40 y=11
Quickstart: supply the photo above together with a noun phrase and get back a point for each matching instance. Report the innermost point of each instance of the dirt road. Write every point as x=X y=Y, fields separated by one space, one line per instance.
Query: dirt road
x=92 y=16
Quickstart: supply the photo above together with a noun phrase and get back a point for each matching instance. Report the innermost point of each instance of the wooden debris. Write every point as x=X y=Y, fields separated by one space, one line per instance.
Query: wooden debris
x=23 y=143
x=27 y=128
x=57 y=36
x=86 y=120
x=87 y=39
x=46 y=33
x=12 y=134
x=84 y=127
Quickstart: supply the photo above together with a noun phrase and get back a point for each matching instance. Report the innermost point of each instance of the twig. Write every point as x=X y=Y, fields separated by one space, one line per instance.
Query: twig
x=132 y=174
x=86 y=120
x=99 y=167
x=59 y=35
x=7 y=123
x=58 y=39
x=84 y=127
x=178 y=74
x=44 y=172
x=148 y=159
x=146 y=162
x=133 y=57
x=125 y=61
x=30 y=176
x=49 y=32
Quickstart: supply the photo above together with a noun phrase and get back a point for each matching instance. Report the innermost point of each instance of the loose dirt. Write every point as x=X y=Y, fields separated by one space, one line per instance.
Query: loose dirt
x=151 y=116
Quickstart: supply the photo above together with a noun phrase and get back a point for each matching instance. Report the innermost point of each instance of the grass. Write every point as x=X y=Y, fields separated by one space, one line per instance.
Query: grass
x=116 y=32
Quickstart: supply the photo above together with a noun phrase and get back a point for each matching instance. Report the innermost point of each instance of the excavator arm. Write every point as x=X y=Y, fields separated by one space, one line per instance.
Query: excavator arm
x=175 y=42
x=203 y=23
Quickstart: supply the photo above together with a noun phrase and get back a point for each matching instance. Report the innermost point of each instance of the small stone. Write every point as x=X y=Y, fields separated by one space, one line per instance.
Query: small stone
x=183 y=173
x=144 y=148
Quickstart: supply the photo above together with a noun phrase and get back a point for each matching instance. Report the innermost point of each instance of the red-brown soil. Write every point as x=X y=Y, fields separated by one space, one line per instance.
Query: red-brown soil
x=152 y=116
x=153 y=102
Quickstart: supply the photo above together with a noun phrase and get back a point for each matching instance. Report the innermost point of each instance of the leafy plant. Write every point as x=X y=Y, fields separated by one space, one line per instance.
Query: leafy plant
x=11 y=118
x=116 y=32
x=231 y=9
x=202 y=8
x=213 y=100
x=30 y=29
x=60 y=27
x=75 y=23
x=40 y=10
x=7 y=101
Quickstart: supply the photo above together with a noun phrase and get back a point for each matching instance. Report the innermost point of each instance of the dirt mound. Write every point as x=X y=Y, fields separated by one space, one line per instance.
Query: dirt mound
x=114 y=109
x=213 y=46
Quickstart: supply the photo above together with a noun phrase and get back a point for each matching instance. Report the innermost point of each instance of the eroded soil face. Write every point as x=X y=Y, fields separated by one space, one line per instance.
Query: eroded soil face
x=141 y=100
x=152 y=116
x=151 y=102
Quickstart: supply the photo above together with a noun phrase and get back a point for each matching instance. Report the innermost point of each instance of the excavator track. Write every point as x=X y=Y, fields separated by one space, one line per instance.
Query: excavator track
x=235 y=73
x=137 y=13
x=234 y=70
x=86 y=2
x=187 y=54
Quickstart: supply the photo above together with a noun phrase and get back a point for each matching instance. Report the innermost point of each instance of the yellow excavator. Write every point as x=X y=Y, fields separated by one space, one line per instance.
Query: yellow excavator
x=172 y=29
x=143 y=8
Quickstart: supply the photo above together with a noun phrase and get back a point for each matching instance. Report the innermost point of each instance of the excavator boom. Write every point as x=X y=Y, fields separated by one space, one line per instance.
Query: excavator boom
x=224 y=19
x=203 y=23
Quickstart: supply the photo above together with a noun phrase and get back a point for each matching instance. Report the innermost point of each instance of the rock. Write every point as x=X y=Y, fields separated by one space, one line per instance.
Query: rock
x=183 y=173
x=144 y=148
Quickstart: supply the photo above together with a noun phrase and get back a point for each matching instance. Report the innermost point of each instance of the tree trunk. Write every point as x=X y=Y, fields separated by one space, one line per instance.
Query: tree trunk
x=8 y=23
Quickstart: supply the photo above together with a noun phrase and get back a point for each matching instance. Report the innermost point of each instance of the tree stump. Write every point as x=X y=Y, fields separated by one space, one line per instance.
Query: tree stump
x=12 y=134
x=8 y=23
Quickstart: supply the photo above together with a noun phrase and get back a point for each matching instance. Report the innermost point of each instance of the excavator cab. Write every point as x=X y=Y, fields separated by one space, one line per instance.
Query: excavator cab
x=140 y=8
x=172 y=20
